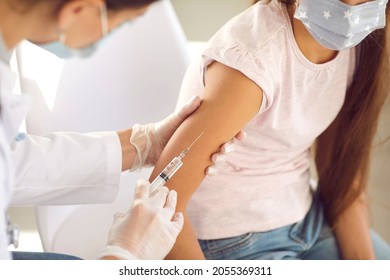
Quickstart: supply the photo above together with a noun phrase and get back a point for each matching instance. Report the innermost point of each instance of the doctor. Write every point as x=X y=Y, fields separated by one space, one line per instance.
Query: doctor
x=71 y=168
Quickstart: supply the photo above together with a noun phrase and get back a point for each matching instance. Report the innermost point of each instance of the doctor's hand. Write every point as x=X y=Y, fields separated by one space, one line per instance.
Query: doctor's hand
x=150 y=140
x=224 y=150
x=149 y=229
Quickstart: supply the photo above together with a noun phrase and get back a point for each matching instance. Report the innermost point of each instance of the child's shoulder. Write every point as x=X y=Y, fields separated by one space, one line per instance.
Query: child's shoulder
x=252 y=28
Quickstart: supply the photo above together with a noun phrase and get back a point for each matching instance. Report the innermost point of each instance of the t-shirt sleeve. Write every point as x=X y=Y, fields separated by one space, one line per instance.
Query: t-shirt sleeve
x=241 y=60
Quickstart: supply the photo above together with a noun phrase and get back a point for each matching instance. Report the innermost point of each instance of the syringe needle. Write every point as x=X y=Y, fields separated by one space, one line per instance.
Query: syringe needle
x=183 y=153
x=195 y=141
x=170 y=169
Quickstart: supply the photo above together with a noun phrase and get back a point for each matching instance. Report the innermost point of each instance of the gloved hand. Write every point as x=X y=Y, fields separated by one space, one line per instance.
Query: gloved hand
x=225 y=149
x=149 y=229
x=149 y=140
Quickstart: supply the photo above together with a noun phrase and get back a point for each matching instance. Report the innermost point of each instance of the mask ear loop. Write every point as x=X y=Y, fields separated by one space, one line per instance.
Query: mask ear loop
x=62 y=37
x=104 y=19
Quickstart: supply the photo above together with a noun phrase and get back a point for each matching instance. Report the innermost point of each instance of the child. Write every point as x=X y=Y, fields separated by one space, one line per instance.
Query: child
x=289 y=74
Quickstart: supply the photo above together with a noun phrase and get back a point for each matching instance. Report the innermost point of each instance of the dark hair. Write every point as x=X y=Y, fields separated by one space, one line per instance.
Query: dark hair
x=121 y=4
x=24 y=5
x=343 y=150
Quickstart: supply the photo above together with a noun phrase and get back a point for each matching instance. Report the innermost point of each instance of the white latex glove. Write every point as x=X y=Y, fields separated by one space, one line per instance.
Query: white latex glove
x=220 y=157
x=150 y=140
x=149 y=229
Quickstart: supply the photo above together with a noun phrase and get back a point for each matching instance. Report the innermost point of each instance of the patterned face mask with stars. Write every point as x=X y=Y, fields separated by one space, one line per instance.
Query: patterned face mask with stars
x=337 y=25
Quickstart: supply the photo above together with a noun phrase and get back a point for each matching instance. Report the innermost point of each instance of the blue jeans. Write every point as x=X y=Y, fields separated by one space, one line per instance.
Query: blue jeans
x=41 y=256
x=309 y=239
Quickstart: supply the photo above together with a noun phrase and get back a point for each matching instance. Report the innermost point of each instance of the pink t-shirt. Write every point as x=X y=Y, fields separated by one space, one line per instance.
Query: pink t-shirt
x=264 y=184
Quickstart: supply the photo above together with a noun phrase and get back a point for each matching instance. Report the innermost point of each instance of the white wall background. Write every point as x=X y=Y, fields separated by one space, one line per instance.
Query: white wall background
x=202 y=18
x=380 y=177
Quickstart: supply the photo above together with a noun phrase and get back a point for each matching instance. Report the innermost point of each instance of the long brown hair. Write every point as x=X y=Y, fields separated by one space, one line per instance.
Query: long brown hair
x=343 y=150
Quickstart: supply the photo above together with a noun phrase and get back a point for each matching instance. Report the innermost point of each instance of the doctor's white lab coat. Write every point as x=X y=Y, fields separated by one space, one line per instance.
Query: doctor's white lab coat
x=62 y=168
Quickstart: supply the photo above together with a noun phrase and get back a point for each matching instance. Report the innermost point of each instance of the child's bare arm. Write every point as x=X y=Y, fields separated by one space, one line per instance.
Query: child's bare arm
x=229 y=102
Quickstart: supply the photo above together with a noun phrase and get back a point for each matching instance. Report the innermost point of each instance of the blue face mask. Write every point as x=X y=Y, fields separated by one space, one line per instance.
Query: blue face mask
x=60 y=49
x=337 y=25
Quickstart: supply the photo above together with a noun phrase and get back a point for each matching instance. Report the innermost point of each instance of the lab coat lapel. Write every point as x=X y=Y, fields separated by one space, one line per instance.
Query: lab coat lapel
x=14 y=107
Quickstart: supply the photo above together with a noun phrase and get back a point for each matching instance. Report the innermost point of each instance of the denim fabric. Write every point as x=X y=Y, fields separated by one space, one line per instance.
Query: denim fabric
x=309 y=239
x=41 y=256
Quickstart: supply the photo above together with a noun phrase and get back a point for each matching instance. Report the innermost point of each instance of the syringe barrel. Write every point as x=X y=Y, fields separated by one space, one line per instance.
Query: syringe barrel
x=166 y=174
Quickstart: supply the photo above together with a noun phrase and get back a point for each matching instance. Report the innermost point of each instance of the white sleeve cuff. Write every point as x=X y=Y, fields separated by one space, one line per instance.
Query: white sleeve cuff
x=114 y=156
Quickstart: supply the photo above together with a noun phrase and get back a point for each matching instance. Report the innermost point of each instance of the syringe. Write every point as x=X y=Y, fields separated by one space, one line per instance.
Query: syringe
x=170 y=169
